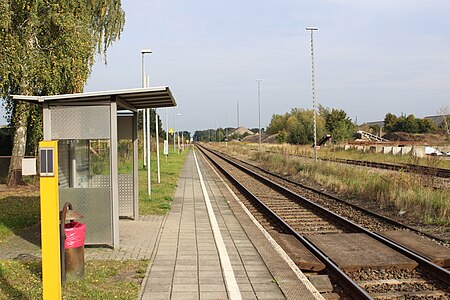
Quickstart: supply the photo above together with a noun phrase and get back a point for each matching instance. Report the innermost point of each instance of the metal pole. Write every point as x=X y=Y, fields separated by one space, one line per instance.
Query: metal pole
x=312 y=29
x=259 y=110
x=157 y=146
x=144 y=112
x=226 y=128
x=237 y=113
x=149 y=183
x=167 y=132
x=173 y=121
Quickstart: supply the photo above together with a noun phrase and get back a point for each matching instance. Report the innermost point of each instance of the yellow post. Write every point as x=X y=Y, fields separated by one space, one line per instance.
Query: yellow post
x=50 y=240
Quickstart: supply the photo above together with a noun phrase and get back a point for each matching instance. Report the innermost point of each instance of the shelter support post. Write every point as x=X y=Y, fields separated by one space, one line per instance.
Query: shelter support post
x=114 y=172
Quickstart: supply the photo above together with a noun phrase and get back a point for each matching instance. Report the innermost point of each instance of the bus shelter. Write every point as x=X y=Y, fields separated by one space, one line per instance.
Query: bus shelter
x=97 y=134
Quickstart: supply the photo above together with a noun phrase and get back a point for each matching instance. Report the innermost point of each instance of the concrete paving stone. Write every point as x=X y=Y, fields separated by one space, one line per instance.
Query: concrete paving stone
x=213 y=296
x=185 y=280
x=186 y=274
x=159 y=287
x=164 y=262
x=186 y=268
x=161 y=268
x=258 y=287
x=208 y=287
x=203 y=274
x=245 y=287
x=162 y=280
x=213 y=267
x=160 y=274
x=185 y=296
x=187 y=262
x=270 y=295
x=185 y=287
x=255 y=267
x=156 y=295
x=248 y=295
x=214 y=280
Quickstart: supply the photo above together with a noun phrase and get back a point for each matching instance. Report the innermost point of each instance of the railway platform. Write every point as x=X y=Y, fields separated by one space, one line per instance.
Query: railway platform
x=209 y=248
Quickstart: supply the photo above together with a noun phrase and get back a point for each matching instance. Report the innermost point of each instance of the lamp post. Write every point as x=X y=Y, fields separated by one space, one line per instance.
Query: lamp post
x=259 y=111
x=178 y=115
x=144 y=114
x=312 y=29
x=174 y=129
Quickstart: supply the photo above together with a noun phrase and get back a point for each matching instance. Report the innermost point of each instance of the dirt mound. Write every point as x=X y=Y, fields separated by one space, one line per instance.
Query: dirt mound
x=426 y=138
x=241 y=131
x=255 y=138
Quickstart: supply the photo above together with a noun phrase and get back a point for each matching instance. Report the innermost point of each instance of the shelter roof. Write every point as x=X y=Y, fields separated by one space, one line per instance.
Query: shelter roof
x=131 y=99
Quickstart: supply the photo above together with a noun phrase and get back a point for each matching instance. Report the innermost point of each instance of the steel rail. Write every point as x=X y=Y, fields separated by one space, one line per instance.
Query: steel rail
x=345 y=281
x=359 y=208
x=440 y=273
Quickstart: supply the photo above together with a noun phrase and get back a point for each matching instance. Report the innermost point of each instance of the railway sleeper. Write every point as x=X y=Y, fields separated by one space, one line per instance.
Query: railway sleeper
x=411 y=295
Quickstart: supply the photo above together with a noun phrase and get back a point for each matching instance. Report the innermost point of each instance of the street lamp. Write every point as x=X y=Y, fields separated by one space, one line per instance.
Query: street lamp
x=144 y=113
x=259 y=110
x=178 y=134
x=312 y=29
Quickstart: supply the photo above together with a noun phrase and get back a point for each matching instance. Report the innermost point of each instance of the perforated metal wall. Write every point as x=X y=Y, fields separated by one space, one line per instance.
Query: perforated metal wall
x=63 y=164
x=95 y=206
x=126 y=206
x=80 y=122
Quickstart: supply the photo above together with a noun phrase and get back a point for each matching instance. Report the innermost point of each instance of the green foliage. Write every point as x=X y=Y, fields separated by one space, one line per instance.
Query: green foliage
x=213 y=135
x=104 y=279
x=49 y=48
x=160 y=200
x=296 y=127
x=278 y=123
x=409 y=124
x=338 y=124
x=18 y=211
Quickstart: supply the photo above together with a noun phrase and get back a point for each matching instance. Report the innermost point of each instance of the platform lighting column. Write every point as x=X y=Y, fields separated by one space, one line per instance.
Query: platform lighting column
x=178 y=115
x=174 y=129
x=226 y=128
x=312 y=29
x=237 y=110
x=167 y=132
x=144 y=117
x=259 y=111
x=157 y=146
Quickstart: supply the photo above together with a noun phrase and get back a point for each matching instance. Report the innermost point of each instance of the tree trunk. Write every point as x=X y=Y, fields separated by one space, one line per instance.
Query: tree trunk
x=19 y=143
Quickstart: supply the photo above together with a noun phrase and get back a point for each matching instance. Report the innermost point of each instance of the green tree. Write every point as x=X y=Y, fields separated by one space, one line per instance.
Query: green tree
x=338 y=124
x=390 y=120
x=278 y=123
x=300 y=126
x=49 y=47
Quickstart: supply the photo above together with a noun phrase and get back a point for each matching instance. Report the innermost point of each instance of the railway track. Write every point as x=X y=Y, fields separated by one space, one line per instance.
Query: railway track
x=424 y=170
x=364 y=217
x=412 y=168
x=378 y=268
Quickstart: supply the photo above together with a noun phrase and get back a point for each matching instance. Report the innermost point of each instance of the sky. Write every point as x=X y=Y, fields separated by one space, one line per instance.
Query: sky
x=371 y=57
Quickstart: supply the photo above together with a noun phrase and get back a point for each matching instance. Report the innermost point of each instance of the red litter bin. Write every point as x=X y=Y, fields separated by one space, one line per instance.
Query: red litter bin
x=74 y=249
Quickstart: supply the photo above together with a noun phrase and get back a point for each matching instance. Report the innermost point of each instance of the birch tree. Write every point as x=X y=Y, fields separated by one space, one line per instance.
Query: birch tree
x=48 y=47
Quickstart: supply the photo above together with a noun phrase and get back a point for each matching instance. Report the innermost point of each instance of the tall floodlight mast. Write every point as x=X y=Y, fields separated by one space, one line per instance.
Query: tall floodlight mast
x=312 y=29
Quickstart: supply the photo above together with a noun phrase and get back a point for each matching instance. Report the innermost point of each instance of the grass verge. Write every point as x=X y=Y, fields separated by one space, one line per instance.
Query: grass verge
x=160 y=200
x=103 y=280
x=18 y=210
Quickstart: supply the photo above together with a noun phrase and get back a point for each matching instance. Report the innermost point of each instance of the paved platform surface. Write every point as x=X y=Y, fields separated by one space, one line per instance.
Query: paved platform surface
x=187 y=263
